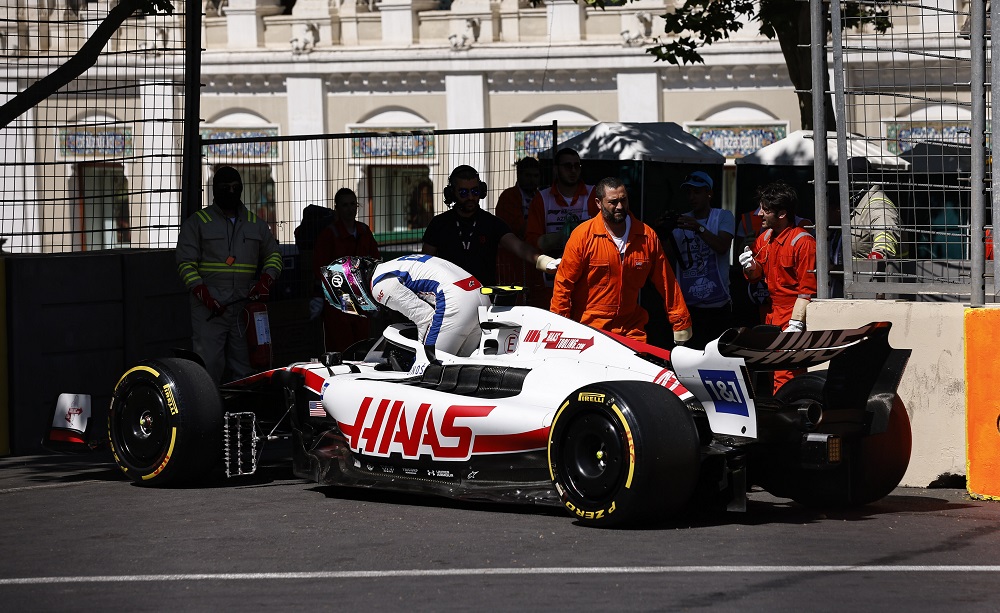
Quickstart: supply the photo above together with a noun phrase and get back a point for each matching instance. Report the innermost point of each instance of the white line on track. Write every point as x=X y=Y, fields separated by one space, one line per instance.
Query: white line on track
x=469 y=572
x=27 y=488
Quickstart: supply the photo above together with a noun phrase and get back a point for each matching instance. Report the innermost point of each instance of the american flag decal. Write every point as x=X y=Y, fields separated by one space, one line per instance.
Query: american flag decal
x=316 y=409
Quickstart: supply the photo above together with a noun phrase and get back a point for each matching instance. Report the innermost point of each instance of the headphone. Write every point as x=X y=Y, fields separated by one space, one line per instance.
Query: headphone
x=464 y=169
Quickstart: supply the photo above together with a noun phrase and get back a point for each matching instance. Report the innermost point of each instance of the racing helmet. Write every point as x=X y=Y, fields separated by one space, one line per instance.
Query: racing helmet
x=347 y=284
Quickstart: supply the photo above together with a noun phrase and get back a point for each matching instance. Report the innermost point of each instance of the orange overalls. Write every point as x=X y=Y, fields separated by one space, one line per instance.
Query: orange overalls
x=598 y=286
x=788 y=264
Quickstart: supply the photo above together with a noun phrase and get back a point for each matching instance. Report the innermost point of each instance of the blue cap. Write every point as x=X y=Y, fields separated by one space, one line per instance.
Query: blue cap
x=698 y=179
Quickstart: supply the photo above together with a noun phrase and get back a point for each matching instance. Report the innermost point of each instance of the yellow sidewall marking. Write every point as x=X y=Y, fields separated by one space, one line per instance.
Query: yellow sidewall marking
x=552 y=474
x=166 y=459
x=631 y=445
x=132 y=370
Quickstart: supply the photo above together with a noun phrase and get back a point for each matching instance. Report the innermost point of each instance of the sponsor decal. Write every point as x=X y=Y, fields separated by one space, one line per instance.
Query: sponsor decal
x=668 y=379
x=73 y=412
x=170 y=399
x=598 y=514
x=440 y=473
x=556 y=340
x=468 y=284
x=390 y=427
x=381 y=296
x=590 y=397
x=724 y=389
x=337 y=280
x=472 y=474
x=411 y=471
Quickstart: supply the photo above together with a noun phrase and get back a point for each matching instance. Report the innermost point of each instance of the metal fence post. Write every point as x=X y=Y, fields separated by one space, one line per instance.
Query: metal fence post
x=977 y=200
x=818 y=60
x=191 y=160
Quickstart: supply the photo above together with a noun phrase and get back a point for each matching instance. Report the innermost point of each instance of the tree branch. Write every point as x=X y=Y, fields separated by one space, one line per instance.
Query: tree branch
x=82 y=60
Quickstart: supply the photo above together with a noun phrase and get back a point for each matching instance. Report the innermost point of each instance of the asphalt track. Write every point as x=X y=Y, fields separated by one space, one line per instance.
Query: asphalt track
x=76 y=536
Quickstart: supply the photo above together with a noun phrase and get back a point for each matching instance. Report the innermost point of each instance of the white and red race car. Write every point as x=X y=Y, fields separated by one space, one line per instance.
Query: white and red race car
x=545 y=411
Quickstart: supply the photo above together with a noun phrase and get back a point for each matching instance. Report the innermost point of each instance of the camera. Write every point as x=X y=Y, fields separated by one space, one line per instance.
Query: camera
x=667 y=221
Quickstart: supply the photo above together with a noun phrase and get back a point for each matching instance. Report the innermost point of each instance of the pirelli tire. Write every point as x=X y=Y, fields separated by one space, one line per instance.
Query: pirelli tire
x=165 y=423
x=873 y=465
x=623 y=452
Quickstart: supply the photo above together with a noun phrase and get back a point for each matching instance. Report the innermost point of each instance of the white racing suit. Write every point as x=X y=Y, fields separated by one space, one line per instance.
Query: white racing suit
x=439 y=297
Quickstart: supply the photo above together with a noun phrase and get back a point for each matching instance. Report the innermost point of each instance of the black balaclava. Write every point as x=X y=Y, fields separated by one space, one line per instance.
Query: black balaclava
x=224 y=192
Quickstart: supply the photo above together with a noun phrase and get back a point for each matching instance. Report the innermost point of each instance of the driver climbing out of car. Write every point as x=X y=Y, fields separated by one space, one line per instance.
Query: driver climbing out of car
x=436 y=295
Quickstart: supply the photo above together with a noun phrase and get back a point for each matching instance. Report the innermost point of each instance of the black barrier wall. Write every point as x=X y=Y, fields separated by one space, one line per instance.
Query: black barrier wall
x=76 y=321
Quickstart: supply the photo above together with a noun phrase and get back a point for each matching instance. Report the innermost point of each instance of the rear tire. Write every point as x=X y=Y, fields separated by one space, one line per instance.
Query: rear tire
x=165 y=422
x=874 y=466
x=623 y=452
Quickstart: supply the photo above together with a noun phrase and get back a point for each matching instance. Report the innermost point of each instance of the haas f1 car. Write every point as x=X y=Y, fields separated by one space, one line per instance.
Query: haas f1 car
x=544 y=411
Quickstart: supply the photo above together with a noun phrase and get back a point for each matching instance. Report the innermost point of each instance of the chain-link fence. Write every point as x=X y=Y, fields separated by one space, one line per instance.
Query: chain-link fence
x=398 y=176
x=91 y=155
x=104 y=158
x=907 y=211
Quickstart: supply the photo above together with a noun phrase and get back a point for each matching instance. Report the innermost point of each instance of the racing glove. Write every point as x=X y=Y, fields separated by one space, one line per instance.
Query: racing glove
x=683 y=336
x=202 y=292
x=545 y=263
x=746 y=260
x=795 y=326
x=262 y=290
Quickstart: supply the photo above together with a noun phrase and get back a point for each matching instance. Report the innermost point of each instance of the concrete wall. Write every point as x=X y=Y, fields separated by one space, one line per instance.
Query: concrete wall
x=933 y=386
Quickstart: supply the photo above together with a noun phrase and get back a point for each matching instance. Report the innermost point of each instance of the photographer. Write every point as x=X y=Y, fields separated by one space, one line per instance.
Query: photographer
x=700 y=242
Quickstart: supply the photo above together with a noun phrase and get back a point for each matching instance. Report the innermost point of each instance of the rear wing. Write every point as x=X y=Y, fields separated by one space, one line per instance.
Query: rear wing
x=864 y=370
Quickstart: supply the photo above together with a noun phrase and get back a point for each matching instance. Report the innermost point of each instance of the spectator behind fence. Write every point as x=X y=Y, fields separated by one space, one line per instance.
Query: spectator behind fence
x=701 y=241
x=469 y=237
x=606 y=262
x=344 y=236
x=219 y=250
x=420 y=208
x=555 y=211
x=874 y=217
x=784 y=257
x=512 y=208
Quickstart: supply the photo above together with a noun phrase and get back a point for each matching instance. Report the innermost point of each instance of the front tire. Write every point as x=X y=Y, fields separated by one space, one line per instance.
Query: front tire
x=623 y=452
x=165 y=422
